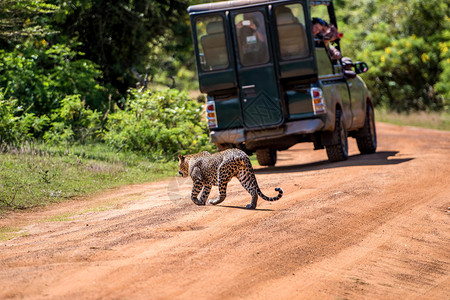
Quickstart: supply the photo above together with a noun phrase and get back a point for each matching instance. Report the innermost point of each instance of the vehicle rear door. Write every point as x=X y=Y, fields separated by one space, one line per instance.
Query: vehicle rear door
x=258 y=83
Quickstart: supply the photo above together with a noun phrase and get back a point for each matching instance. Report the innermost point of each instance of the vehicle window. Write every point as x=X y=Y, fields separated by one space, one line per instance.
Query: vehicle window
x=252 y=38
x=323 y=61
x=292 y=36
x=211 y=43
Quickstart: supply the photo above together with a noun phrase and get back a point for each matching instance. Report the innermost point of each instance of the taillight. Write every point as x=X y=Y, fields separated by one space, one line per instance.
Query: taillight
x=316 y=93
x=318 y=101
x=211 y=114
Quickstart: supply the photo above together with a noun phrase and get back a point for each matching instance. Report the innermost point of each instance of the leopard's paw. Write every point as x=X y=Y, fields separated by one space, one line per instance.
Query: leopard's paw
x=198 y=202
x=214 y=201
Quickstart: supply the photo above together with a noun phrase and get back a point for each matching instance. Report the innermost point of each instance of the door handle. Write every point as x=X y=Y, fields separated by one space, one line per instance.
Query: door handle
x=248 y=86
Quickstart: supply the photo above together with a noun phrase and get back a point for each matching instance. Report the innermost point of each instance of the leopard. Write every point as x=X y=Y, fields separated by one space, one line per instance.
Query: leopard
x=217 y=169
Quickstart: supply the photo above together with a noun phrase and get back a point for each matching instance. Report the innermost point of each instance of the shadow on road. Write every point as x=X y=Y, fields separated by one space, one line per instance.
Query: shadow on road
x=376 y=159
x=243 y=207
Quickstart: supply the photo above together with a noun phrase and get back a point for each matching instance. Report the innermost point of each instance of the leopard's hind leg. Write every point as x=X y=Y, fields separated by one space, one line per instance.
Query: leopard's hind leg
x=249 y=183
x=223 y=182
x=226 y=171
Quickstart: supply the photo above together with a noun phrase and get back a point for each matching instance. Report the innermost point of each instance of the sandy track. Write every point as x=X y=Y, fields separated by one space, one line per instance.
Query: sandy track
x=376 y=227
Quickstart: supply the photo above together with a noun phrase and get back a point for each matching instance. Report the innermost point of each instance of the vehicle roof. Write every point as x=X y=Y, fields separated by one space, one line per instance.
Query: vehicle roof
x=242 y=3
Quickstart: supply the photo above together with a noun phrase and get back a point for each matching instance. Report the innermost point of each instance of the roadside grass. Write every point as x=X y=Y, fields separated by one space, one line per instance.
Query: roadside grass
x=61 y=218
x=8 y=233
x=36 y=175
x=431 y=120
x=64 y=217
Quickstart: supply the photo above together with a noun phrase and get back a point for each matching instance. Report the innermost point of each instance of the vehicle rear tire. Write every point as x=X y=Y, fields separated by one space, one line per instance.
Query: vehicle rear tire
x=339 y=151
x=367 y=135
x=266 y=157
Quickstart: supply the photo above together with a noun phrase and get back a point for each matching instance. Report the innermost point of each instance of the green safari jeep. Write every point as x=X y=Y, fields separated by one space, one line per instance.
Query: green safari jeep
x=271 y=83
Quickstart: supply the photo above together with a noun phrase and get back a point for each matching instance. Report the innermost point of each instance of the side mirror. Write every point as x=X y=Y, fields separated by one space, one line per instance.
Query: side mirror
x=361 y=67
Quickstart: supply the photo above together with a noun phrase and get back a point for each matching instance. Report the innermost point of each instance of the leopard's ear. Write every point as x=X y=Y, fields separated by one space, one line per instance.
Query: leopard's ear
x=181 y=157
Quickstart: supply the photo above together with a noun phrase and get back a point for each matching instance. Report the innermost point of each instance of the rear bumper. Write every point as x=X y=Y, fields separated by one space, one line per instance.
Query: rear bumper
x=240 y=135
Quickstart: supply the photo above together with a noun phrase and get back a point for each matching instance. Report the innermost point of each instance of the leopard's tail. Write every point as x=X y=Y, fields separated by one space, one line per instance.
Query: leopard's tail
x=280 y=194
x=248 y=165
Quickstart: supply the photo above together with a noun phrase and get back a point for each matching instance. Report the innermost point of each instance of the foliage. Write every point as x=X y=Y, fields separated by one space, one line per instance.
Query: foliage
x=73 y=122
x=119 y=35
x=406 y=46
x=125 y=40
x=171 y=60
x=22 y=19
x=14 y=126
x=40 y=76
x=40 y=82
x=159 y=124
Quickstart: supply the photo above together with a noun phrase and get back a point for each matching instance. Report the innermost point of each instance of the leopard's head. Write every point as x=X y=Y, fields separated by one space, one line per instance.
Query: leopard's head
x=183 y=166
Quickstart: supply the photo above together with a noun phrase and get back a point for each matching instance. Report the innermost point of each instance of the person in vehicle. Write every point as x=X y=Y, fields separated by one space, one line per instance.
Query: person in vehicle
x=317 y=29
x=251 y=20
x=251 y=37
x=326 y=34
x=330 y=34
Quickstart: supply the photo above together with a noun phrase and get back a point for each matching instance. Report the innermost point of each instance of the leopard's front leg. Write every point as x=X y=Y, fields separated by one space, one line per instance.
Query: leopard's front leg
x=197 y=179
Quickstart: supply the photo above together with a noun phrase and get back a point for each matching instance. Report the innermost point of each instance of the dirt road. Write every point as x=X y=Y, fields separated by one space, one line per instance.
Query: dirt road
x=373 y=227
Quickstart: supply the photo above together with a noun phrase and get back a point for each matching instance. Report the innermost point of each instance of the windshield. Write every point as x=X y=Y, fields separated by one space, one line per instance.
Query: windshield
x=211 y=43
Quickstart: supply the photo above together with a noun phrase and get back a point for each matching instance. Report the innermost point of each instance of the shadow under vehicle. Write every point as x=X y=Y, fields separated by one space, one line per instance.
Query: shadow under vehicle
x=271 y=84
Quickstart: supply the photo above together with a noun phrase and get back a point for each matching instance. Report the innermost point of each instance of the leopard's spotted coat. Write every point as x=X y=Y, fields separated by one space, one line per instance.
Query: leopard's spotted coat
x=208 y=169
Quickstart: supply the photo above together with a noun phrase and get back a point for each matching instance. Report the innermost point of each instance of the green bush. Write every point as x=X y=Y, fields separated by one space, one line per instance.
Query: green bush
x=70 y=123
x=397 y=76
x=16 y=125
x=159 y=124
x=406 y=46
x=39 y=76
x=49 y=93
x=73 y=122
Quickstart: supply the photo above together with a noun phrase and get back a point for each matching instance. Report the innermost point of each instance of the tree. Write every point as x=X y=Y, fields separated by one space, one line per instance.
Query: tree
x=22 y=19
x=406 y=45
x=119 y=35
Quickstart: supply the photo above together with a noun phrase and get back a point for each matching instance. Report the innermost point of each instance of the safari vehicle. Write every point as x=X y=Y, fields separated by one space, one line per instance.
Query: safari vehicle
x=270 y=84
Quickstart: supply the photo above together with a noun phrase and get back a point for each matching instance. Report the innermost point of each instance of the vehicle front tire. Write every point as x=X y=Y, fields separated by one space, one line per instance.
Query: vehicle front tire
x=266 y=157
x=339 y=151
x=366 y=137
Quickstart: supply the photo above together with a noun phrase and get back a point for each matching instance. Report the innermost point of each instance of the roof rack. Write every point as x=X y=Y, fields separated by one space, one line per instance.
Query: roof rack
x=244 y=3
x=225 y=5
x=321 y=2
